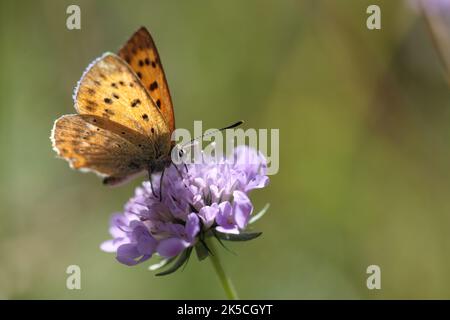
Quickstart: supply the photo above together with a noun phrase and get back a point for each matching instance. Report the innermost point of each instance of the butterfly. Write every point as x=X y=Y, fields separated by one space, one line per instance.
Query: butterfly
x=125 y=116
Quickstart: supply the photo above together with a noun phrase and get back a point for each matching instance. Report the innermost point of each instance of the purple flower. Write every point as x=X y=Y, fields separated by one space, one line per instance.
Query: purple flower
x=434 y=7
x=210 y=198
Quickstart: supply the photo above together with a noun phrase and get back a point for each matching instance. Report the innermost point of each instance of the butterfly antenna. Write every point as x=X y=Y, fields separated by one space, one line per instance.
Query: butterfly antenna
x=234 y=125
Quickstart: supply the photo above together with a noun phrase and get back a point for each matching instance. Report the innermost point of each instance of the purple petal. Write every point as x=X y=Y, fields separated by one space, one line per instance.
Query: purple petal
x=242 y=209
x=192 y=226
x=128 y=253
x=108 y=246
x=171 y=247
x=257 y=182
x=233 y=229
x=208 y=214
x=118 y=223
x=249 y=160
x=146 y=244
x=224 y=218
x=215 y=193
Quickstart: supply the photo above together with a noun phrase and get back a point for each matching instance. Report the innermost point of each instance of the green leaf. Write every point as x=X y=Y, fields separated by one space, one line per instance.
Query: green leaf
x=237 y=237
x=182 y=259
x=259 y=215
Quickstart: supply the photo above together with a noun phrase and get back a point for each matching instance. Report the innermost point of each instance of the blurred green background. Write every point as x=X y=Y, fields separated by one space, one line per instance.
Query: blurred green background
x=364 y=119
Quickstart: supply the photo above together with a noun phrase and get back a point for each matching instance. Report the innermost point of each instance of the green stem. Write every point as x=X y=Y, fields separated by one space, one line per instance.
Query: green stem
x=224 y=279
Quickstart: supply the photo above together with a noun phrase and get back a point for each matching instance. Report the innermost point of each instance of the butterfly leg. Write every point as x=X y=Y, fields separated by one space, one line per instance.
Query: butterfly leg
x=178 y=170
x=180 y=174
x=151 y=183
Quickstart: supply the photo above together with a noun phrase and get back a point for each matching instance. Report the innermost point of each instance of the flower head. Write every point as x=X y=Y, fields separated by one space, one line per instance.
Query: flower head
x=210 y=198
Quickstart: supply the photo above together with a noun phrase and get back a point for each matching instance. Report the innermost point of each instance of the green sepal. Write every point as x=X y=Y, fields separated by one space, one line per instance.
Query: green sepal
x=182 y=259
x=260 y=214
x=159 y=265
x=237 y=237
x=201 y=250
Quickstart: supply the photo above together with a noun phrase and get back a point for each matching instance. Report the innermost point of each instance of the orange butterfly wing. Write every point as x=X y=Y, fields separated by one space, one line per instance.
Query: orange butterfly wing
x=93 y=143
x=141 y=54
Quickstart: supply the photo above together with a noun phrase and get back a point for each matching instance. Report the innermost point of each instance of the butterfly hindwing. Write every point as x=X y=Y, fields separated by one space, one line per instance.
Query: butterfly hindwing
x=94 y=143
x=141 y=54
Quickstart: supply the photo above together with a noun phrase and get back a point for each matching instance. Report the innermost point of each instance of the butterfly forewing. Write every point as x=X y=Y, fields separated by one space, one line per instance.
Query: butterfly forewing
x=109 y=89
x=141 y=54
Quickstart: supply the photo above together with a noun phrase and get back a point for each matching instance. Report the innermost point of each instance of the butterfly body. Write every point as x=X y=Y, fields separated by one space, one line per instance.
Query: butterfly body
x=125 y=115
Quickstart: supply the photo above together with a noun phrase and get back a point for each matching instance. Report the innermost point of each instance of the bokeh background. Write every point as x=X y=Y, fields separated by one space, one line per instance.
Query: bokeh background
x=364 y=119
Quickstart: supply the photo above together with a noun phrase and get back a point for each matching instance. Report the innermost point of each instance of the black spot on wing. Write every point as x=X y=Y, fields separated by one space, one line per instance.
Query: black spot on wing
x=135 y=103
x=153 y=86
